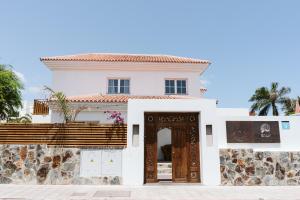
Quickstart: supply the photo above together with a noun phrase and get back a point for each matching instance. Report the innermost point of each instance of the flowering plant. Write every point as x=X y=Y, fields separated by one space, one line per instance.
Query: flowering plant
x=115 y=116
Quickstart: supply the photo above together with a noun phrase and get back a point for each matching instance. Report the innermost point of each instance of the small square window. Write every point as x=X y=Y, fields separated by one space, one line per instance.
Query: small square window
x=170 y=86
x=181 y=86
x=175 y=86
x=112 y=86
x=285 y=125
x=118 y=86
x=124 y=86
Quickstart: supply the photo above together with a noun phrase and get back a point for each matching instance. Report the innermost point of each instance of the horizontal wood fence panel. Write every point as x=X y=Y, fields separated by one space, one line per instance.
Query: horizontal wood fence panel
x=63 y=136
x=66 y=135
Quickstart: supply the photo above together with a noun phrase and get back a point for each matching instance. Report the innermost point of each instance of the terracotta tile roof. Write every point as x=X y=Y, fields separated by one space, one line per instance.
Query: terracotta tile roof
x=118 y=98
x=203 y=89
x=110 y=57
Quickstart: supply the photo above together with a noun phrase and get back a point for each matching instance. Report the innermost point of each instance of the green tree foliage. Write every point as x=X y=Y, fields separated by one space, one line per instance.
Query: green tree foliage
x=289 y=106
x=265 y=99
x=10 y=93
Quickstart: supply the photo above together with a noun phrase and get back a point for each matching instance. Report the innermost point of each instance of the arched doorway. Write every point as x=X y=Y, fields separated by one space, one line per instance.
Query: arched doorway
x=164 y=154
x=184 y=142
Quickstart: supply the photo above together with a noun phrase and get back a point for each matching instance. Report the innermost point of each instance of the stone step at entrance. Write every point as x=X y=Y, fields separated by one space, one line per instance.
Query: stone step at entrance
x=164 y=170
x=164 y=164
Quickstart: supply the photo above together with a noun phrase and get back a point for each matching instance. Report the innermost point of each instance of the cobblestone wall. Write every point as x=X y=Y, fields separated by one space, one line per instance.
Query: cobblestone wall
x=247 y=167
x=38 y=164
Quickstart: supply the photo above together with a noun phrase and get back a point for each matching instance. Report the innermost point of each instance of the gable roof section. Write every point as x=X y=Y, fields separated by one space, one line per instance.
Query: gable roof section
x=110 y=57
x=118 y=98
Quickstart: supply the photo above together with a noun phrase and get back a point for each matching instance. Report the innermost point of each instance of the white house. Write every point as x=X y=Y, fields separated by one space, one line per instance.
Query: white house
x=174 y=134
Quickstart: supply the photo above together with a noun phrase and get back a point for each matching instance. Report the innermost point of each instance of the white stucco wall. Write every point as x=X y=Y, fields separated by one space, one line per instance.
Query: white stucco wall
x=133 y=160
x=87 y=116
x=86 y=82
x=226 y=112
x=289 y=139
x=41 y=118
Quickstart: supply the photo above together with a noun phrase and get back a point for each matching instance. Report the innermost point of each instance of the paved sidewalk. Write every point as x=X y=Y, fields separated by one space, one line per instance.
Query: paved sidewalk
x=162 y=192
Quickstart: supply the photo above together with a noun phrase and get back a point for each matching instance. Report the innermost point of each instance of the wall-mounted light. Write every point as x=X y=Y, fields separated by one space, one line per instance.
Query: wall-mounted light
x=135 y=135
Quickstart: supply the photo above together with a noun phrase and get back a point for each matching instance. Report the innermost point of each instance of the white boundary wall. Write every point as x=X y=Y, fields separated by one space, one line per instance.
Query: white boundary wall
x=209 y=114
x=133 y=160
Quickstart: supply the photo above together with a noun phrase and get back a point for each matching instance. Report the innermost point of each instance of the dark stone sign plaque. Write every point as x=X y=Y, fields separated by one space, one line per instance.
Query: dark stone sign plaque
x=252 y=132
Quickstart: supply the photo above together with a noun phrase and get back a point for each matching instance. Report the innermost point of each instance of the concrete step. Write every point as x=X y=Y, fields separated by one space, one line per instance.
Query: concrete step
x=164 y=164
x=164 y=170
x=164 y=176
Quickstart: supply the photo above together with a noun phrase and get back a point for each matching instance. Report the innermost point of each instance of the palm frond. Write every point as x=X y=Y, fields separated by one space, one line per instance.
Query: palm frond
x=284 y=91
x=23 y=119
x=274 y=87
x=64 y=108
x=260 y=94
x=264 y=99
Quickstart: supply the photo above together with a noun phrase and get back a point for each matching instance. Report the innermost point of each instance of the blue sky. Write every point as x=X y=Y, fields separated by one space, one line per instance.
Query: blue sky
x=250 y=43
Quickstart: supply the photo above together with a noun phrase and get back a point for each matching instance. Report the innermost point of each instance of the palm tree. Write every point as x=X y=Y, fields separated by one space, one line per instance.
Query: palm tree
x=289 y=106
x=61 y=103
x=265 y=99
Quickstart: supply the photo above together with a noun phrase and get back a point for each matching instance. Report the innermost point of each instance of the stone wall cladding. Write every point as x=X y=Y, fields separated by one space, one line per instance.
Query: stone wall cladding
x=39 y=164
x=251 y=168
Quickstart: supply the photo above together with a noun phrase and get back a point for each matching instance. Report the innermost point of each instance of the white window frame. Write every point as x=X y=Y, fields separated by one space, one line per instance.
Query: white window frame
x=119 y=86
x=175 y=85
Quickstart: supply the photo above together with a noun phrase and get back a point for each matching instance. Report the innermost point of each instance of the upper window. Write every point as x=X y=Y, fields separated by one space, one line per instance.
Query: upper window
x=170 y=86
x=175 y=86
x=118 y=86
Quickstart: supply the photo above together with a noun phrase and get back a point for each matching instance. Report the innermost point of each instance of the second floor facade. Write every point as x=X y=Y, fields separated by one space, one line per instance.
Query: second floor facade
x=126 y=74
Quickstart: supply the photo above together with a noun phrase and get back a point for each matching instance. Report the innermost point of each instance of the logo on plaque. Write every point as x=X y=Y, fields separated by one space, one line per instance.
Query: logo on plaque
x=265 y=130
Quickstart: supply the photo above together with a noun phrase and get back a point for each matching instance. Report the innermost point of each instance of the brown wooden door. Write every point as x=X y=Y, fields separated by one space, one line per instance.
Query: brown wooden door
x=150 y=142
x=185 y=145
x=193 y=153
x=179 y=155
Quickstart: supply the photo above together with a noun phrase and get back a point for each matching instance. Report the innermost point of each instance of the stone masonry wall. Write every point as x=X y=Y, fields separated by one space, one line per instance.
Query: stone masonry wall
x=247 y=167
x=39 y=164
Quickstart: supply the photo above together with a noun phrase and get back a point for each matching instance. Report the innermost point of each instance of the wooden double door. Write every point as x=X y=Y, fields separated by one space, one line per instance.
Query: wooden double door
x=185 y=146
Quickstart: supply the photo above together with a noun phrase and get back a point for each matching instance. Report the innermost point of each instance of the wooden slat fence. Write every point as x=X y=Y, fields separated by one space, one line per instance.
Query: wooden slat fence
x=89 y=135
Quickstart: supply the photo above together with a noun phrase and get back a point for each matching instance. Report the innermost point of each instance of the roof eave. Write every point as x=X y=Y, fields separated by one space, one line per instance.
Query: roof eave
x=126 y=66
